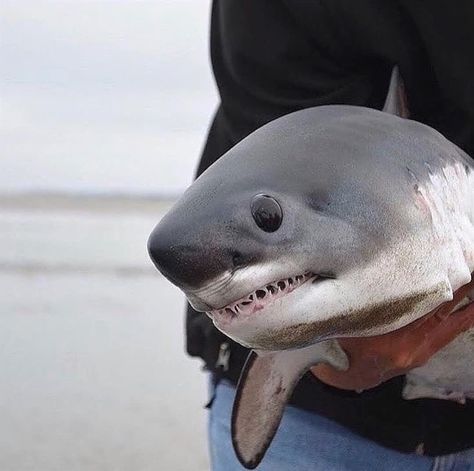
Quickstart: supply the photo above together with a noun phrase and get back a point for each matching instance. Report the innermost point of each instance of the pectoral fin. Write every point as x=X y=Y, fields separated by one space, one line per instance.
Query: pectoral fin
x=265 y=386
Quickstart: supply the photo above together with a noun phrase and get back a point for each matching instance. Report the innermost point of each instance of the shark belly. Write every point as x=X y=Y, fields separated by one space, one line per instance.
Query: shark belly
x=449 y=374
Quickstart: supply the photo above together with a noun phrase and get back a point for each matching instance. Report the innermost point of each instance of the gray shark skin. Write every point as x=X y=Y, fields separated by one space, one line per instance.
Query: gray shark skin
x=368 y=225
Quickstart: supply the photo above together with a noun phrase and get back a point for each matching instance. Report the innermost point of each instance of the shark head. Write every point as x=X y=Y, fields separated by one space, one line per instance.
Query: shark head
x=328 y=222
x=251 y=243
x=307 y=229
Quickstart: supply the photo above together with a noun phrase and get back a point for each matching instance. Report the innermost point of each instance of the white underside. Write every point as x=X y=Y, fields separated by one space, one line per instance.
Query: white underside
x=450 y=372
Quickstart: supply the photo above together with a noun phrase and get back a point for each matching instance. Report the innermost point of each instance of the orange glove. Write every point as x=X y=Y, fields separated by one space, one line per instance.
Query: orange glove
x=374 y=360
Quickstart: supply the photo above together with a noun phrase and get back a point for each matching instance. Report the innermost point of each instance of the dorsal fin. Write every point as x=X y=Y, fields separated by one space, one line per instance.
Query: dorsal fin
x=396 y=102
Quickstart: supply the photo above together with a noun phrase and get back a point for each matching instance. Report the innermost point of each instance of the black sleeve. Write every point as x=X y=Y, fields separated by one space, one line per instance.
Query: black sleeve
x=446 y=32
x=272 y=57
x=432 y=42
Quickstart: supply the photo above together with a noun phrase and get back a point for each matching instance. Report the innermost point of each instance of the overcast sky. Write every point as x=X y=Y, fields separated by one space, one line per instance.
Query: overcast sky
x=110 y=96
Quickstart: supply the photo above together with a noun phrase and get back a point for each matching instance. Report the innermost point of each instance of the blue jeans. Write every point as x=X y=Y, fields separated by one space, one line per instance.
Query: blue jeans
x=308 y=442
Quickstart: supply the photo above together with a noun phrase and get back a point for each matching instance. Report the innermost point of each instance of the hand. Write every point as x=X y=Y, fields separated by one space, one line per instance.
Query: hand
x=374 y=360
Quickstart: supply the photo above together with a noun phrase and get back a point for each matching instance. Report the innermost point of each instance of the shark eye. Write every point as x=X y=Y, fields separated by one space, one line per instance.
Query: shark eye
x=266 y=212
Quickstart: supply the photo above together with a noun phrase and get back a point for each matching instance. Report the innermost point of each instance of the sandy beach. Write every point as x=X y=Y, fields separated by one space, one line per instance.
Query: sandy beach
x=93 y=372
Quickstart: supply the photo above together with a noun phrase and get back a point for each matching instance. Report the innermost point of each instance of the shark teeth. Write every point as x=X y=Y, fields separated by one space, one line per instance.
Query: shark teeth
x=262 y=296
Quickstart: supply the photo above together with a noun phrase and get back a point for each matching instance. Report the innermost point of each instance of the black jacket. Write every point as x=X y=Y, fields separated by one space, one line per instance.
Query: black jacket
x=272 y=57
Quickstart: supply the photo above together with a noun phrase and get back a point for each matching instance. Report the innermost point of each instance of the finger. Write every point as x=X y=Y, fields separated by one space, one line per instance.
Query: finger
x=443 y=311
x=459 y=322
x=464 y=315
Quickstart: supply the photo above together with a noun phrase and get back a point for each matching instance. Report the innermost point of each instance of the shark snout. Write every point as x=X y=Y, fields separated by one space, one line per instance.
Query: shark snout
x=191 y=258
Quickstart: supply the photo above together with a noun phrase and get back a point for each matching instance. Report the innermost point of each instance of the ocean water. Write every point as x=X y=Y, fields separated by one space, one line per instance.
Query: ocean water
x=93 y=374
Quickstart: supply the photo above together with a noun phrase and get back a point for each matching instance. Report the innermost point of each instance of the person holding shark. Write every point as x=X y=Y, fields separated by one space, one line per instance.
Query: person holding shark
x=382 y=375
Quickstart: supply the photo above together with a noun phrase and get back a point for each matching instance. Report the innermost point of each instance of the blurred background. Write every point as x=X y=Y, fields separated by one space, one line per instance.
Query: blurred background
x=104 y=110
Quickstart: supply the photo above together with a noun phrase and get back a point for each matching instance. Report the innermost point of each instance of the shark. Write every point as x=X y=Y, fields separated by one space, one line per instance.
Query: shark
x=330 y=222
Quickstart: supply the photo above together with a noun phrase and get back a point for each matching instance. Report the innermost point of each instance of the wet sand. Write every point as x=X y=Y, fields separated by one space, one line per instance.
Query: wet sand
x=93 y=374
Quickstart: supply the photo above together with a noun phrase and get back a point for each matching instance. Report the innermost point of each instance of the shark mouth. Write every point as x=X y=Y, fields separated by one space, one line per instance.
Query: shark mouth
x=262 y=297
